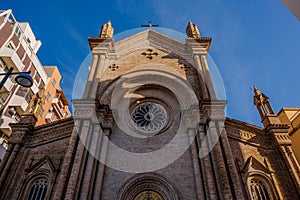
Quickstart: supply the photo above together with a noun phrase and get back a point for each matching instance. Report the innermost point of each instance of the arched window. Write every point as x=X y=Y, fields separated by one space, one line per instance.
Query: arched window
x=38 y=190
x=258 y=190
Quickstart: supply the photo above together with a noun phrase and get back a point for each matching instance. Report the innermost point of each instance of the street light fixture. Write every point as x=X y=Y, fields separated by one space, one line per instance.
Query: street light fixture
x=23 y=78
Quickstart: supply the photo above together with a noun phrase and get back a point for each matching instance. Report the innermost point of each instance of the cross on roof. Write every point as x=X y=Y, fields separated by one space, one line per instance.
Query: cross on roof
x=149 y=25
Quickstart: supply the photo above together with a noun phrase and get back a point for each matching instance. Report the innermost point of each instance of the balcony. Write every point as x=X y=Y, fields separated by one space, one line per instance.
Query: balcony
x=57 y=108
x=5 y=121
x=49 y=117
x=11 y=58
x=21 y=99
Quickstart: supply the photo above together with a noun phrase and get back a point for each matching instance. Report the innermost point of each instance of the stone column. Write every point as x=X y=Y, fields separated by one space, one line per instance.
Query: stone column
x=90 y=168
x=78 y=161
x=199 y=187
x=66 y=166
x=97 y=77
x=202 y=77
x=199 y=52
x=91 y=76
x=101 y=164
x=207 y=77
x=218 y=162
x=222 y=163
x=20 y=133
x=280 y=135
x=291 y=167
x=210 y=184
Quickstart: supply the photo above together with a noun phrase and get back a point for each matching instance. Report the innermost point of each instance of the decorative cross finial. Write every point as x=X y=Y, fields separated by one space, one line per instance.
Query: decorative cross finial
x=149 y=25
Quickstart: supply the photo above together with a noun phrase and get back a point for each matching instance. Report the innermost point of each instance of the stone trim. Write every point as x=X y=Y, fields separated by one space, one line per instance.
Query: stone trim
x=148 y=181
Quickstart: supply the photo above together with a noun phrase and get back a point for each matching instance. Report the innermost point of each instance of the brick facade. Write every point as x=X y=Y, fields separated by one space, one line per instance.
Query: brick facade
x=101 y=154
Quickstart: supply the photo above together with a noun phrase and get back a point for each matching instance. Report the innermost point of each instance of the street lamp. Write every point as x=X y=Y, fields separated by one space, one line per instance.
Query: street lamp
x=23 y=78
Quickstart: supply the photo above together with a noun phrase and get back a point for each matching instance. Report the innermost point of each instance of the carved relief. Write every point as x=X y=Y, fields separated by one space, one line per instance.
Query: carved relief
x=17 y=137
x=113 y=67
x=48 y=136
x=149 y=54
x=185 y=67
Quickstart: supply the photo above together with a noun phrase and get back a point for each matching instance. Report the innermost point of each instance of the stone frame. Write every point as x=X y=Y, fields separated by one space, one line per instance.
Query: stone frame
x=148 y=181
x=265 y=180
x=40 y=174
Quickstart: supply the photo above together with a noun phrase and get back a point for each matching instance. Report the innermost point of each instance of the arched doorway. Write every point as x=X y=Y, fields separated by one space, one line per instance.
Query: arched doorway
x=148 y=186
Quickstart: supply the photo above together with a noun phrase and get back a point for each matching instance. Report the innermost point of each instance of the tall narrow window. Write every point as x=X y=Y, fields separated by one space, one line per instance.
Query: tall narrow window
x=38 y=190
x=48 y=96
x=54 y=82
x=258 y=190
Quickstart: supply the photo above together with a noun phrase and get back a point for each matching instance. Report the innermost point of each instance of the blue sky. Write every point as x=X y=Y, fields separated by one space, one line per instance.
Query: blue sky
x=254 y=42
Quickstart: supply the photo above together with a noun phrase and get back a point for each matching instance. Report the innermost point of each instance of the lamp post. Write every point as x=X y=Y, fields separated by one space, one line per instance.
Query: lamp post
x=23 y=78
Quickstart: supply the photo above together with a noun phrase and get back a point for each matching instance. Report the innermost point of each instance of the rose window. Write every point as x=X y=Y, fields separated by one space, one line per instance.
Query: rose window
x=149 y=117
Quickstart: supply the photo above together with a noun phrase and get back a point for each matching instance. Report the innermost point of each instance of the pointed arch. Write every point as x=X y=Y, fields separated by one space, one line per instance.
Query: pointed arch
x=259 y=181
x=39 y=181
x=261 y=187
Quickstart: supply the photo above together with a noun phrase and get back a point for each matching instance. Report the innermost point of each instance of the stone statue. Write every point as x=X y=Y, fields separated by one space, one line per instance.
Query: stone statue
x=192 y=31
x=107 y=30
x=36 y=103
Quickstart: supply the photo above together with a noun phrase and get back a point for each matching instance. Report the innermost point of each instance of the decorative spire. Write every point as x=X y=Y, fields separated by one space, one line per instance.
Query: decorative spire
x=262 y=103
x=192 y=31
x=107 y=30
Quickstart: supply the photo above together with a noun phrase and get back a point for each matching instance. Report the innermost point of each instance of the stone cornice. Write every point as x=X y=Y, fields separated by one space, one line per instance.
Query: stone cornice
x=213 y=109
x=278 y=128
x=20 y=132
x=48 y=134
x=243 y=125
x=246 y=133
x=99 y=42
x=202 y=43
x=105 y=117
x=85 y=109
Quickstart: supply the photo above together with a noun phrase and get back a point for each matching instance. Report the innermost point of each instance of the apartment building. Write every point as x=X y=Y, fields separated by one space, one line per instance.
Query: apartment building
x=18 y=49
x=56 y=105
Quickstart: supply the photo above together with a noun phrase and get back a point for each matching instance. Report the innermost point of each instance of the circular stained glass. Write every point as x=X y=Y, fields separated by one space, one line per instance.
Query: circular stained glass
x=149 y=117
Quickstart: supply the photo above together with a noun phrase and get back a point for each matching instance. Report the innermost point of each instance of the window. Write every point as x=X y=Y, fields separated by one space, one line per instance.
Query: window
x=38 y=190
x=258 y=190
x=18 y=32
x=11 y=46
x=2 y=65
x=48 y=96
x=149 y=117
x=42 y=112
x=53 y=82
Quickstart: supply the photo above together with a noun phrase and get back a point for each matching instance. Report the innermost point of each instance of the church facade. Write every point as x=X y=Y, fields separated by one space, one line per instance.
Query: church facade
x=150 y=126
